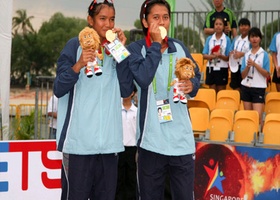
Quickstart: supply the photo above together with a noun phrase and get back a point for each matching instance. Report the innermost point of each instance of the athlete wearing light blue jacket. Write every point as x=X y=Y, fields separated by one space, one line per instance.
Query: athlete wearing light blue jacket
x=89 y=112
x=166 y=143
x=171 y=138
x=89 y=109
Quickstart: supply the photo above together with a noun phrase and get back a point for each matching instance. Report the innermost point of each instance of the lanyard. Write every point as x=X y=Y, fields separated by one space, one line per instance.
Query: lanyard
x=169 y=75
x=104 y=51
x=241 y=46
x=101 y=61
x=214 y=42
x=253 y=69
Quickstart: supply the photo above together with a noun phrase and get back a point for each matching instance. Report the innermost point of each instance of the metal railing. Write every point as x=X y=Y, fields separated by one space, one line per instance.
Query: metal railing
x=43 y=93
x=189 y=26
x=33 y=117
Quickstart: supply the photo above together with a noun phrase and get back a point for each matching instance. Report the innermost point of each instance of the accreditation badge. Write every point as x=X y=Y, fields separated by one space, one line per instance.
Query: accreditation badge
x=164 y=111
x=249 y=81
x=115 y=47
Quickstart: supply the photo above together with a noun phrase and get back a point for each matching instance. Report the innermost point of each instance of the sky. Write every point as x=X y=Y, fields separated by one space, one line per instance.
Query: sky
x=127 y=11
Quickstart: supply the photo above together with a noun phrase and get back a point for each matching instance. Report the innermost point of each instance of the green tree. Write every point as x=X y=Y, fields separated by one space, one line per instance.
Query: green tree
x=137 y=24
x=269 y=30
x=37 y=53
x=23 y=127
x=22 y=23
x=127 y=35
x=54 y=34
x=134 y=34
x=29 y=55
x=190 y=38
x=25 y=53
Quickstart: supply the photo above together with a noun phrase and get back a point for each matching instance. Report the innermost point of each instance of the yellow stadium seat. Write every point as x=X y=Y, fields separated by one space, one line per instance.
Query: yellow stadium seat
x=208 y=96
x=229 y=99
x=203 y=74
x=198 y=58
x=272 y=103
x=246 y=126
x=197 y=103
x=271 y=129
x=199 y=119
x=220 y=124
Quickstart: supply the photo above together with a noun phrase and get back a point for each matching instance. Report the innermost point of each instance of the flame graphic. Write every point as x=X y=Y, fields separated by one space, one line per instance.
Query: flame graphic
x=261 y=176
x=258 y=177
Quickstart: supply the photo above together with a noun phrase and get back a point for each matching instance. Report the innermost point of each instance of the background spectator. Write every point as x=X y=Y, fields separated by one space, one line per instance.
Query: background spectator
x=254 y=71
x=52 y=113
x=275 y=49
x=239 y=46
x=127 y=184
x=216 y=51
x=228 y=16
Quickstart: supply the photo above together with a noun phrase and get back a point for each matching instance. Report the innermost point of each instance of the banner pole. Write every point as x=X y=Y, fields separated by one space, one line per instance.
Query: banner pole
x=172 y=4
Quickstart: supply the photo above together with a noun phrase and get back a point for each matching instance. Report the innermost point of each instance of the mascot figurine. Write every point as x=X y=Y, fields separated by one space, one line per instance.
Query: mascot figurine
x=184 y=70
x=89 y=39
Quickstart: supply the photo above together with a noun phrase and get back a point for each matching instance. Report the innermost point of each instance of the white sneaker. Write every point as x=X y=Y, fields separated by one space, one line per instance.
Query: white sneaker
x=183 y=99
x=97 y=71
x=176 y=99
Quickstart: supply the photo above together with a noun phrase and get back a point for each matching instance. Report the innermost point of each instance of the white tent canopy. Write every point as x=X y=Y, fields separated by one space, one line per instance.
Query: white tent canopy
x=6 y=9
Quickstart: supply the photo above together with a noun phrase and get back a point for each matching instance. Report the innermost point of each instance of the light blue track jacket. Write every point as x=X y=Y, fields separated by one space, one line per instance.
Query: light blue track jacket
x=173 y=138
x=89 y=109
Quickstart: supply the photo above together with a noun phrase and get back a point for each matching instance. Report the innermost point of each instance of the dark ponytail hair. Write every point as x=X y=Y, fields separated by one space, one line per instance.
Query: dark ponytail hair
x=146 y=9
x=94 y=8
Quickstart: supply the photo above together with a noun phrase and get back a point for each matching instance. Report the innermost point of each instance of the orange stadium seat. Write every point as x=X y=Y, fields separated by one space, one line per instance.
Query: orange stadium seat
x=271 y=129
x=246 y=126
x=198 y=58
x=229 y=99
x=272 y=103
x=203 y=74
x=199 y=119
x=197 y=103
x=208 y=96
x=220 y=124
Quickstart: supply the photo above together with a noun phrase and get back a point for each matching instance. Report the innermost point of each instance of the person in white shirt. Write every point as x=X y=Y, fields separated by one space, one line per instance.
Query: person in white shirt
x=239 y=46
x=275 y=49
x=216 y=51
x=127 y=184
x=254 y=71
x=52 y=113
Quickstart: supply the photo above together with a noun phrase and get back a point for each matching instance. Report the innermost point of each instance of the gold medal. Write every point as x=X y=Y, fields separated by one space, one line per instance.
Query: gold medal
x=163 y=32
x=110 y=35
